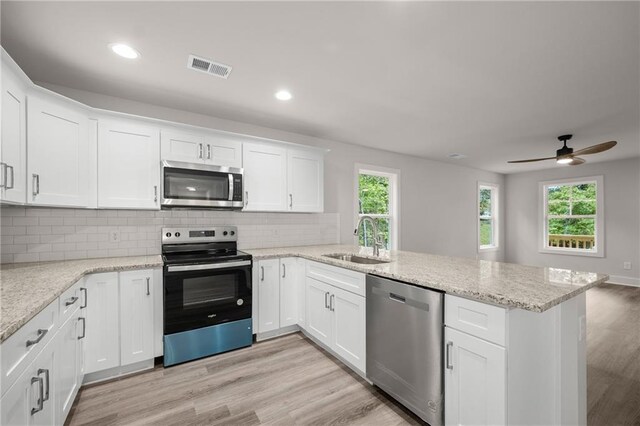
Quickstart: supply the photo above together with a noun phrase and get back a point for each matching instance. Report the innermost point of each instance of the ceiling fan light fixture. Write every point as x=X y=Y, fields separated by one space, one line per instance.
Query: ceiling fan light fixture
x=564 y=160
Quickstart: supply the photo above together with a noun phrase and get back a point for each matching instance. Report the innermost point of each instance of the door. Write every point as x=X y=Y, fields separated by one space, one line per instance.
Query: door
x=305 y=181
x=136 y=316
x=265 y=177
x=102 y=345
x=268 y=295
x=474 y=380
x=289 y=285
x=349 y=328
x=68 y=362
x=302 y=293
x=30 y=400
x=58 y=151
x=182 y=146
x=223 y=150
x=319 y=315
x=13 y=152
x=128 y=165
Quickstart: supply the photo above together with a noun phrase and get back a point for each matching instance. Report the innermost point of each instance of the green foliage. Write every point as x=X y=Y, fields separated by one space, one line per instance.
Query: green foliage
x=485 y=202
x=572 y=226
x=576 y=200
x=486 y=235
x=374 y=199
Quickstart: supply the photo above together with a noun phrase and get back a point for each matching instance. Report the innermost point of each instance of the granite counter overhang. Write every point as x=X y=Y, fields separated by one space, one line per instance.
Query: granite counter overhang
x=28 y=288
x=505 y=284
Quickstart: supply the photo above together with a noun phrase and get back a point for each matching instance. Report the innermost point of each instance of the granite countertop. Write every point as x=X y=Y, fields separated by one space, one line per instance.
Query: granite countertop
x=507 y=284
x=28 y=288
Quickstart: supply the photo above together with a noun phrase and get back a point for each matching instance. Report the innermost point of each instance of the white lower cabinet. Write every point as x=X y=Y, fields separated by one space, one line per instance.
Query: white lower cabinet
x=475 y=380
x=70 y=340
x=268 y=295
x=102 y=322
x=289 y=280
x=318 y=311
x=136 y=316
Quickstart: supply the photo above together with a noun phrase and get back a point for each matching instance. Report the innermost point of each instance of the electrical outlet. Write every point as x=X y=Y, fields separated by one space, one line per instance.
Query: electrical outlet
x=114 y=236
x=626 y=265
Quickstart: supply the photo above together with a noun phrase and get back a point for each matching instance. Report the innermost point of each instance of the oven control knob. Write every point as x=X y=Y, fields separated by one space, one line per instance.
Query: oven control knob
x=233 y=232
x=177 y=234
x=225 y=233
x=168 y=234
x=240 y=302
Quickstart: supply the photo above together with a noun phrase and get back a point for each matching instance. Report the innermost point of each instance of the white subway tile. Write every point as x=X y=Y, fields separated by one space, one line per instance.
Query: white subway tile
x=26 y=257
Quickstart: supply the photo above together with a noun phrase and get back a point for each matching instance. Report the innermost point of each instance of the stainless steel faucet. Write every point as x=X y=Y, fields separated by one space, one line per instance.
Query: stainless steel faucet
x=377 y=243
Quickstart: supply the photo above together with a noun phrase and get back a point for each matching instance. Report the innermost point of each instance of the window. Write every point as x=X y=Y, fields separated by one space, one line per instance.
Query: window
x=487 y=216
x=572 y=216
x=377 y=190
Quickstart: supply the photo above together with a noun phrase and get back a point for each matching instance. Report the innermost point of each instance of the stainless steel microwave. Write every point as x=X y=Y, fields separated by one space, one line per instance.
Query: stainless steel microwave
x=200 y=185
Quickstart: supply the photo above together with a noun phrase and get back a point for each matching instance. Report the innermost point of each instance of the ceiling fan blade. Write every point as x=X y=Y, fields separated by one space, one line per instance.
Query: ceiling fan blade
x=532 y=160
x=601 y=147
x=577 y=161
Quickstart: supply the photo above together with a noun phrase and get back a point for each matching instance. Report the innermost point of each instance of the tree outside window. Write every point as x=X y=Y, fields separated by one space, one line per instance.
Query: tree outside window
x=376 y=199
x=487 y=216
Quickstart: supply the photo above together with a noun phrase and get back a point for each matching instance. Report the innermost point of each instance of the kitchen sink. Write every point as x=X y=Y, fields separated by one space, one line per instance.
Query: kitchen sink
x=354 y=258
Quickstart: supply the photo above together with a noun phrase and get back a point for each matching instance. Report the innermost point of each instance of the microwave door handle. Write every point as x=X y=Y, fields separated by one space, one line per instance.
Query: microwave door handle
x=230 y=186
x=208 y=266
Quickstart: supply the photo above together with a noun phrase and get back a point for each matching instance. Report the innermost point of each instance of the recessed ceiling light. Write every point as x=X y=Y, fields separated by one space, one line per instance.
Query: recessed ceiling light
x=283 y=95
x=124 y=50
x=457 y=156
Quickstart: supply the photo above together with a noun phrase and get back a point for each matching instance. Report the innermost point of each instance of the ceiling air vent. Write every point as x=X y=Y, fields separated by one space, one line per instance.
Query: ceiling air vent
x=208 y=66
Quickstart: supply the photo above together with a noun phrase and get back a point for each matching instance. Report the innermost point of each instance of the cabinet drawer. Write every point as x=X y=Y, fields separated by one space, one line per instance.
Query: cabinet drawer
x=339 y=277
x=15 y=353
x=69 y=301
x=487 y=322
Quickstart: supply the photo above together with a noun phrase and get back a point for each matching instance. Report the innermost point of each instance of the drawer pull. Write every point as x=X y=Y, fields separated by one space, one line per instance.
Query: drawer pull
x=41 y=333
x=40 y=396
x=84 y=290
x=84 y=328
x=46 y=376
x=71 y=301
x=448 y=355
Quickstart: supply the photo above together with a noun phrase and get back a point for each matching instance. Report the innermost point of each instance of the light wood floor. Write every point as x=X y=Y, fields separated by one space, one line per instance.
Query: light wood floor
x=291 y=381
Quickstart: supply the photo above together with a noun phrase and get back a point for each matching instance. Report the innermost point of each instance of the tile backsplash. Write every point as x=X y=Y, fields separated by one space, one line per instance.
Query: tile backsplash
x=32 y=234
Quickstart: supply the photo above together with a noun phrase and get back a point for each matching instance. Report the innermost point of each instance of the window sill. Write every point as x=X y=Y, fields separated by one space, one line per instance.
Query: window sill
x=572 y=252
x=484 y=249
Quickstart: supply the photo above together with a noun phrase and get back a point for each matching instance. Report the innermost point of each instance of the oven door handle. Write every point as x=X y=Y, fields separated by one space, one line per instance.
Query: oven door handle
x=224 y=265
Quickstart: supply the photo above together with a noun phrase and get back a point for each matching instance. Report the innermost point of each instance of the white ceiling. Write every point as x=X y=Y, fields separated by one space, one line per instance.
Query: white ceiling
x=493 y=81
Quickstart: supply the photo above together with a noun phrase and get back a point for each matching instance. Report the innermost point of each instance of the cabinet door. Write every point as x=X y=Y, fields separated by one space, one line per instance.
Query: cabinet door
x=305 y=181
x=102 y=344
x=289 y=283
x=268 y=295
x=58 y=152
x=475 y=381
x=302 y=293
x=319 y=316
x=30 y=401
x=182 y=146
x=223 y=150
x=13 y=152
x=265 y=177
x=68 y=362
x=136 y=316
x=349 y=329
x=128 y=165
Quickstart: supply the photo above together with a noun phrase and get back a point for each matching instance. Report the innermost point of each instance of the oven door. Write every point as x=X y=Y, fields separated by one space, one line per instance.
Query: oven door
x=199 y=185
x=202 y=295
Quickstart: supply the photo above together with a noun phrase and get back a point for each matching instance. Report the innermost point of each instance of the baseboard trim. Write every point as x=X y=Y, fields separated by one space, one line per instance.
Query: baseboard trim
x=620 y=280
x=260 y=337
x=118 y=372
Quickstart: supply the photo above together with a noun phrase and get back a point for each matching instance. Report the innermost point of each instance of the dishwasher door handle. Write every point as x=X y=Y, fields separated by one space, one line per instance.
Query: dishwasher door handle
x=448 y=355
x=397 y=298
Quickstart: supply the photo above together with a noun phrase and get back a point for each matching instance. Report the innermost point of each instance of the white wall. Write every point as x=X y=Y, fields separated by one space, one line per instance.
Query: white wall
x=622 y=219
x=438 y=211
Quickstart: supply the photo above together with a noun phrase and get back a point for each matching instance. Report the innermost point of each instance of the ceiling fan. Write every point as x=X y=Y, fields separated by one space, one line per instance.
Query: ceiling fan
x=565 y=155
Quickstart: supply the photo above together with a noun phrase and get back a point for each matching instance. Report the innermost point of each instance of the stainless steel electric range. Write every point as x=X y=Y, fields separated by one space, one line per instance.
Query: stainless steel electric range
x=207 y=293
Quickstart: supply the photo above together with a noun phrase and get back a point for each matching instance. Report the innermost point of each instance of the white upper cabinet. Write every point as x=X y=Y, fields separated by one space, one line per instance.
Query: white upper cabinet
x=224 y=150
x=265 y=177
x=182 y=146
x=58 y=152
x=128 y=165
x=217 y=149
x=13 y=152
x=305 y=175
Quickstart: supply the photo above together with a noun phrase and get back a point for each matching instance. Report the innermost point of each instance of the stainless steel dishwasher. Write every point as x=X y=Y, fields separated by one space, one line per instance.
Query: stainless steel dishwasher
x=404 y=345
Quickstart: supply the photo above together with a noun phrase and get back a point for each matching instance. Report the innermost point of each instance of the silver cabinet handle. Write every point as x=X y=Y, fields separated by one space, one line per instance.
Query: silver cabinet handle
x=448 y=355
x=148 y=291
x=290 y=201
x=200 y=151
x=262 y=273
x=208 y=152
x=41 y=333
x=71 y=301
x=246 y=198
x=84 y=327
x=41 y=395
x=155 y=193
x=331 y=299
x=284 y=270
x=13 y=178
x=46 y=376
x=3 y=174
x=36 y=184
x=84 y=290
x=326 y=301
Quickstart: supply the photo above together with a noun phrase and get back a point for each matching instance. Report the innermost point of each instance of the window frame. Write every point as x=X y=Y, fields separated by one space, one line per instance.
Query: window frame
x=495 y=216
x=599 y=235
x=394 y=200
